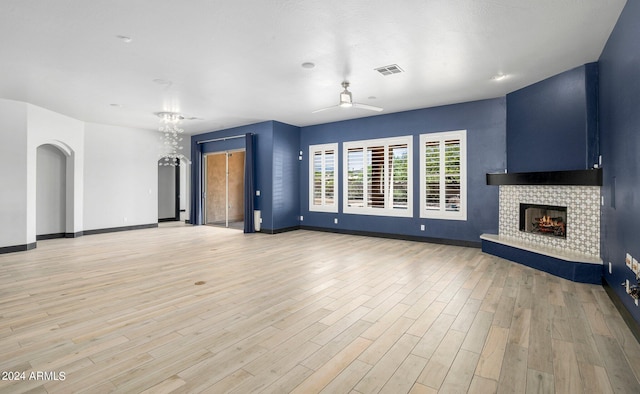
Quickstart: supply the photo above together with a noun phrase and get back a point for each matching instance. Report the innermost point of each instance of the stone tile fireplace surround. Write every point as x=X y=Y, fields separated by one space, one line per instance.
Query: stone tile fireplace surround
x=583 y=216
x=576 y=257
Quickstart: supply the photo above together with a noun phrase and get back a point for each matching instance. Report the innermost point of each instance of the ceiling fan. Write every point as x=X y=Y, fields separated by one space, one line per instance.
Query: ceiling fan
x=347 y=102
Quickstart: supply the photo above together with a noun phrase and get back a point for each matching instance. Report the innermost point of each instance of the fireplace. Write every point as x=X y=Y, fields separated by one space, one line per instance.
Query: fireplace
x=549 y=220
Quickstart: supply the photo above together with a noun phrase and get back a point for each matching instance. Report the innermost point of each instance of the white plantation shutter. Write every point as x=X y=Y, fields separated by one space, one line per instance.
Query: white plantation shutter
x=377 y=177
x=399 y=184
x=323 y=163
x=355 y=177
x=443 y=175
x=318 y=177
x=432 y=177
x=330 y=161
x=452 y=175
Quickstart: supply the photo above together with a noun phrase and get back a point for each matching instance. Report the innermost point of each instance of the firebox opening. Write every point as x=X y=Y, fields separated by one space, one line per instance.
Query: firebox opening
x=547 y=220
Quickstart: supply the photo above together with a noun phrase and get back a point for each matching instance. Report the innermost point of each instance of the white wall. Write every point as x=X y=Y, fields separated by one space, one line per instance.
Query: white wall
x=51 y=180
x=185 y=179
x=120 y=176
x=13 y=168
x=67 y=134
x=111 y=173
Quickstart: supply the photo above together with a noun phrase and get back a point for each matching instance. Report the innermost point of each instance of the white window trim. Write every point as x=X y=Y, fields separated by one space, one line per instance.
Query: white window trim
x=386 y=211
x=442 y=213
x=323 y=148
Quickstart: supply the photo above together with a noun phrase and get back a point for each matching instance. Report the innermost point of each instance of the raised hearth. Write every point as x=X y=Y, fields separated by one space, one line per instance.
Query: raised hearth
x=576 y=267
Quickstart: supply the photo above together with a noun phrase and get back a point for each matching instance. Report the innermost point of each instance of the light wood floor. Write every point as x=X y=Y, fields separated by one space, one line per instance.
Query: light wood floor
x=300 y=312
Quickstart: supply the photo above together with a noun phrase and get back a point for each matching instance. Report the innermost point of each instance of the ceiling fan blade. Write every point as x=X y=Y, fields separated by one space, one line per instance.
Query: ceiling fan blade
x=368 y=107
x=324 y=109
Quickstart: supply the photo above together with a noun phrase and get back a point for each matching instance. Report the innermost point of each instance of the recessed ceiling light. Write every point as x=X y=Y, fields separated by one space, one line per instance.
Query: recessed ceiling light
x=116 y=105
x=124 y=39
x=308 y=65
x=372 y=97
x=161 y=81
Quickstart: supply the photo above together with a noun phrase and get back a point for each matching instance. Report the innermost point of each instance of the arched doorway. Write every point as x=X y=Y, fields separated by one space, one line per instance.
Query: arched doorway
x=51 y=192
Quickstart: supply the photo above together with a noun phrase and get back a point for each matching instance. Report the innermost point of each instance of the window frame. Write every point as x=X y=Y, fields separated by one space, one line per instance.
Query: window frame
x=442 y=213
x=323 y=148
x=388 y=209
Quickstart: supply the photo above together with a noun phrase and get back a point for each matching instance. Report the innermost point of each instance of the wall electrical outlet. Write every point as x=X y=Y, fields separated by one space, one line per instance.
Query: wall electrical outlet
x=258 y=193
x=609 y=267
x=626 y=285
x=335 y=221
x=301 y=218
x=422 y=227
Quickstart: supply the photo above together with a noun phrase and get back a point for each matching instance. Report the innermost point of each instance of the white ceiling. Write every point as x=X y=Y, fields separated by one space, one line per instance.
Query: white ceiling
x=232 y=63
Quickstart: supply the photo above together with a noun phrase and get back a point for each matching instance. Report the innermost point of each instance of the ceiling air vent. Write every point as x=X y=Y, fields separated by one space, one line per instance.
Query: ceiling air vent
x=388 y=70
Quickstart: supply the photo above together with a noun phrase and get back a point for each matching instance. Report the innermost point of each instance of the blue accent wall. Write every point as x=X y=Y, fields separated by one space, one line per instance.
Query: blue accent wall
x=276 y=165
x=264 y=165
x=552 y=125
x=620 y=147
x=485 y=122
x=286 y=176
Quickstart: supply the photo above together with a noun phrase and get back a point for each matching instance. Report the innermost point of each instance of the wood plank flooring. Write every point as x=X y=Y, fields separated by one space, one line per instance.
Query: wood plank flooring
x=300 y=312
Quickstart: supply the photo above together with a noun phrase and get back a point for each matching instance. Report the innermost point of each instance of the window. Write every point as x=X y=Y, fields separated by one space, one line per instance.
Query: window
x=443 y=175
x=377 y=177
x=323 y=189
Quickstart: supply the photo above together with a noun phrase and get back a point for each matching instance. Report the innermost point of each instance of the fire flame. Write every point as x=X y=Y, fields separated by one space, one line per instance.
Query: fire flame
x=547 y=221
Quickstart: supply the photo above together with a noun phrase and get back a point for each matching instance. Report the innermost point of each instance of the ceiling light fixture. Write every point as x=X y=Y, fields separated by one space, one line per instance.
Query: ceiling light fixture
x=308 y=65
x=124 y=39
x=499 y=77
x=346 y=101
x=170 y=139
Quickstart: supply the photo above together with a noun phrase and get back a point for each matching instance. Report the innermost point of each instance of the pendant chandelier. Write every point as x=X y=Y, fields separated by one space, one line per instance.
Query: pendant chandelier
x=170 y=139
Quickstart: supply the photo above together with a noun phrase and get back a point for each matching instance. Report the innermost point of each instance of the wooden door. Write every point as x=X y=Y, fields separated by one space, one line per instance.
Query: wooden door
x=216 y=188
x=224 y=188
x=236 y=186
